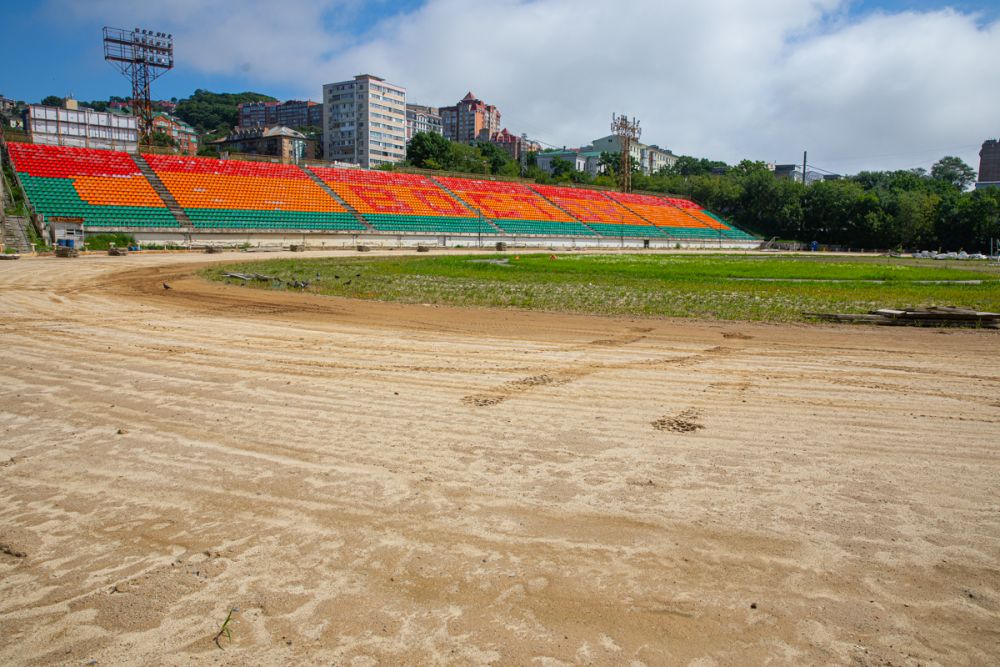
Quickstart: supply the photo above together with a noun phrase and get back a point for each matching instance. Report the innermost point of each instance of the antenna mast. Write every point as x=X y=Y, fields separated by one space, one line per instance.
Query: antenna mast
x=628 y=133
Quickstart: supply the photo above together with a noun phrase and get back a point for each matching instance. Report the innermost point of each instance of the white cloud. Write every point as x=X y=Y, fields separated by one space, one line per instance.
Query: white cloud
x=725 y=79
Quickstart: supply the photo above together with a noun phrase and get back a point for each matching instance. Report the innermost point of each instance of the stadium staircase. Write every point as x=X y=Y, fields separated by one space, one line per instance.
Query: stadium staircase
x=466 y=204
x=15 y=234
x=168 y=198
x=340 y=200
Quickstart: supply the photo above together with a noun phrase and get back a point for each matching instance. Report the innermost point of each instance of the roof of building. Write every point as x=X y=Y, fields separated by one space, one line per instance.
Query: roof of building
x=469 y=97
x=282 y=131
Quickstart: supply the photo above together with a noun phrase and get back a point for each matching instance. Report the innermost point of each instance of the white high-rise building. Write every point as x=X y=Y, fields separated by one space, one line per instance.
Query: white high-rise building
x=364 y=121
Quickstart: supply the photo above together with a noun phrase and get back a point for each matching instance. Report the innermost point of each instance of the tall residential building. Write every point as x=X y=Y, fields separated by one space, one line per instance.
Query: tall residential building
x=293 y=113
x=364 y=121
x=464 y=121
x=989 y=164
x=420 y=118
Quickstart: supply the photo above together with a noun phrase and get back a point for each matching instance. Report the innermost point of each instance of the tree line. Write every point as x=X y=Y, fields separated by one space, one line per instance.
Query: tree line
x=906 y=209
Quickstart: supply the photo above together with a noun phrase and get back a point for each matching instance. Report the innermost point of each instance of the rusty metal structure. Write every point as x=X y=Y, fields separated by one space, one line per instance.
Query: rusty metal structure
x=628 y=133
x=142 y=56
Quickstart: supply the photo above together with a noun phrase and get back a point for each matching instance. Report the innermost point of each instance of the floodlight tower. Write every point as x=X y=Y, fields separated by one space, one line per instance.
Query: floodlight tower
x=628 y=132
x=142 y=56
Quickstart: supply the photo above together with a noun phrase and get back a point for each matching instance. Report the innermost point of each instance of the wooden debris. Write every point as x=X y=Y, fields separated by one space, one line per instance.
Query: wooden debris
x=251 y=276
x=933 y=316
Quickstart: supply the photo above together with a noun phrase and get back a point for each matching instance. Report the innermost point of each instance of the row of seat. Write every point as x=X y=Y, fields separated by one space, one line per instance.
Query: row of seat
x=214 y=167
x=70 y=162
x=429 y=224
x=204 y=218
x=542 y=228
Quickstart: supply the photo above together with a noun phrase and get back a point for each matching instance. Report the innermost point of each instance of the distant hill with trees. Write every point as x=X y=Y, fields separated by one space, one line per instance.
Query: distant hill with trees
x=215 y=113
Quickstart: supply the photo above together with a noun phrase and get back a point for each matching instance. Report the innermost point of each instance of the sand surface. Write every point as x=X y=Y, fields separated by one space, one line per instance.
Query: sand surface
x=377 y=484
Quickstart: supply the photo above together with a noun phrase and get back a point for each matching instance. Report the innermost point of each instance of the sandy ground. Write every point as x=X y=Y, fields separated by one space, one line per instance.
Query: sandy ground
x=375 y=484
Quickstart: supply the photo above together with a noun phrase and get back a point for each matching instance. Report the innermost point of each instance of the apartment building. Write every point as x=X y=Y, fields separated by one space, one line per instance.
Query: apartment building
x=651 y=159
x=420 y=118
x=465 y=121
x=185 y=135
x=293 y=113
x=84 y=128
x=364 y=121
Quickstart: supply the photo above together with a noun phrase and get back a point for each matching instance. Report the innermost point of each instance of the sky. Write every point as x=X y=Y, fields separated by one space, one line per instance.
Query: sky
x=860 y=84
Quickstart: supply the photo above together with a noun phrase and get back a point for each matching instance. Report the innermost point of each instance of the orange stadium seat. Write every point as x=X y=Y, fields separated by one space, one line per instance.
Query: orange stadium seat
x=238 y=194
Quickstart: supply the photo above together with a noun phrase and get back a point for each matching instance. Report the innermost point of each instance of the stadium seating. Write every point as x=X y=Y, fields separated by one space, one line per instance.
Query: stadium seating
x=395 y=202
x=231 y=194
x=515 y=208
x=602 y=214
x=108 y=189
x=103 y=188
x=679 y=218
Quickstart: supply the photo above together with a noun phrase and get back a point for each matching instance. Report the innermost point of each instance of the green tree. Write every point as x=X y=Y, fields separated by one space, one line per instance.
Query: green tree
x=954 y=170
x=161 y=138
x=496 y=156
x=215 y=113
x=427 y=150
x=465 y=158
x=692 y=166
x=913 y=217
x=52 y=101
x=561 y=167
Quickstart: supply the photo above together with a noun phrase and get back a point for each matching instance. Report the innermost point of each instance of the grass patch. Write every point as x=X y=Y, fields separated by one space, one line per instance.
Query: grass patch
x=731 y=287
x=103 y=241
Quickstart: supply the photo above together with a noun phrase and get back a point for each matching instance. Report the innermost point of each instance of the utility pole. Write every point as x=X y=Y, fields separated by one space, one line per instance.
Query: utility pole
x=803 y=167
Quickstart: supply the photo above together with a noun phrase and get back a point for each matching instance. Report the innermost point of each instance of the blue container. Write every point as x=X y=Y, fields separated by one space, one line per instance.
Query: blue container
x=70 y=243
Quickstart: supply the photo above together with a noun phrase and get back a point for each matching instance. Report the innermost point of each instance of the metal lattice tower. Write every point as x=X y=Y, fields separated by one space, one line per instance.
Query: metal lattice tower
x=142 y=56
x=628 y=132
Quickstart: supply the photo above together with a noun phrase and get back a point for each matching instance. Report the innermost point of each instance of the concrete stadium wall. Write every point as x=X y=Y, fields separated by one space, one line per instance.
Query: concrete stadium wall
x=319 y=240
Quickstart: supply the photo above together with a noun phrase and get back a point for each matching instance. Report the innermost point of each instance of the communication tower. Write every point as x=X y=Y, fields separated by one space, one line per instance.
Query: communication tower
x=628 y=133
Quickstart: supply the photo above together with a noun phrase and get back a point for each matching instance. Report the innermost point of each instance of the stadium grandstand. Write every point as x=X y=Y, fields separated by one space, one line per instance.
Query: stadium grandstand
x=220 y=194
x=396 y=202
x=103 y=188
x=170 y=198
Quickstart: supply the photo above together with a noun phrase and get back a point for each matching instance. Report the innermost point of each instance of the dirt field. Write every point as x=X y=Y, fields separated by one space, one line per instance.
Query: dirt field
x=376 y=484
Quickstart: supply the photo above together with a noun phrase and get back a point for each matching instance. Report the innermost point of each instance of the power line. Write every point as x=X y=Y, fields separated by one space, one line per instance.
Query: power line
x=917 y=152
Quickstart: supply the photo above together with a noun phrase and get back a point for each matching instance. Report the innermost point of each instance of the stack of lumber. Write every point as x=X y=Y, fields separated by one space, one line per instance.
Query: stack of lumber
x=933 y=316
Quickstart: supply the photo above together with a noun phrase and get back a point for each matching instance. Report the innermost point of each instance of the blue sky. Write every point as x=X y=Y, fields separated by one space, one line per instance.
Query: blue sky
x=859 y=84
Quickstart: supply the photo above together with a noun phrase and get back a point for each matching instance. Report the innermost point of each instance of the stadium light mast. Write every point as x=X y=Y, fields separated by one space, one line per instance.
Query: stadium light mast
x=628 y=132
x=142 y=56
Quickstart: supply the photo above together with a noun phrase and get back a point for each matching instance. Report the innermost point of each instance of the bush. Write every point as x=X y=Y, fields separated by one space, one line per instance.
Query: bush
x=104 y=241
